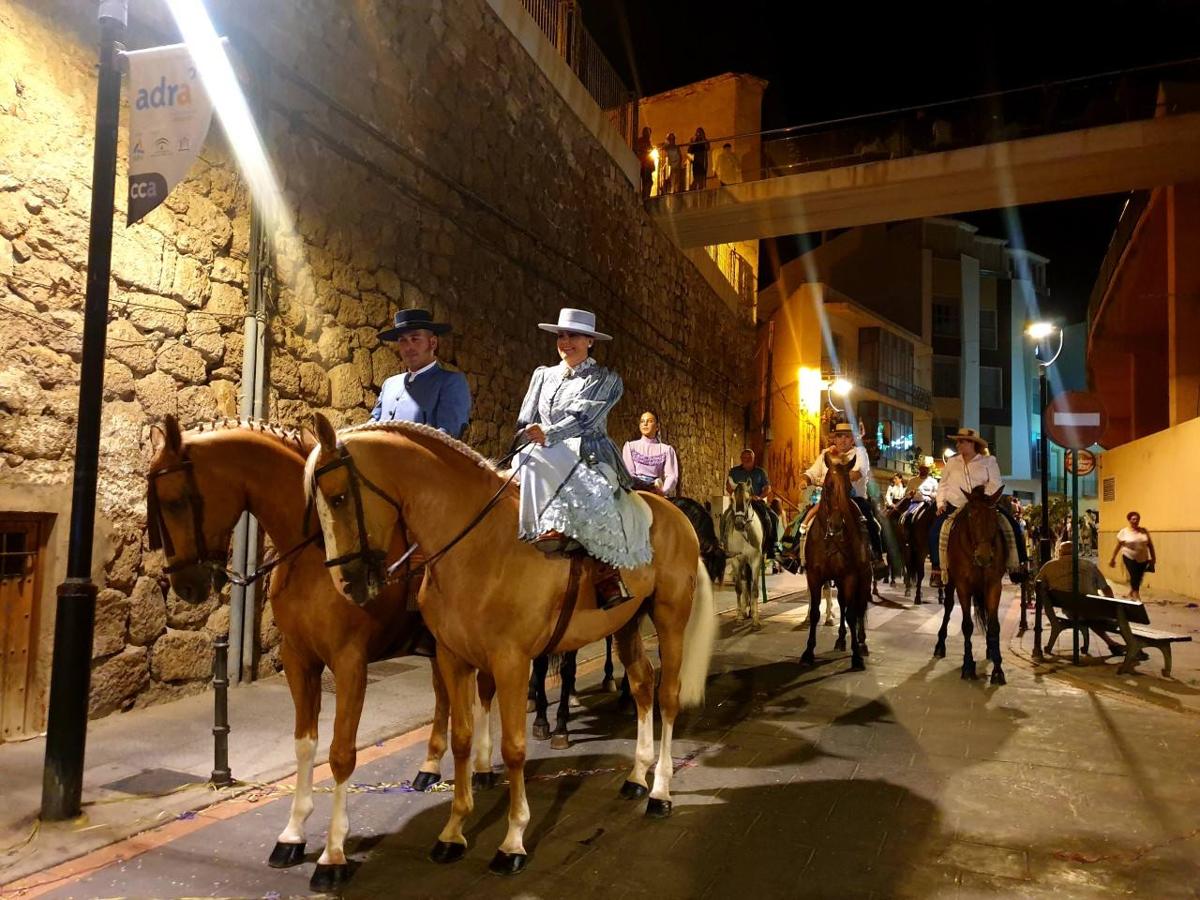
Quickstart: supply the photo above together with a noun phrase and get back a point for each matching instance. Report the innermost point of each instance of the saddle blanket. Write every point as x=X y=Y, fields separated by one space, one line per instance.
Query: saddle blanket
x=1006 y=529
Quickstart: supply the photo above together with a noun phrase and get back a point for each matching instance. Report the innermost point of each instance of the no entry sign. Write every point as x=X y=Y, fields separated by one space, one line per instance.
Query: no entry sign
x=1076 y=419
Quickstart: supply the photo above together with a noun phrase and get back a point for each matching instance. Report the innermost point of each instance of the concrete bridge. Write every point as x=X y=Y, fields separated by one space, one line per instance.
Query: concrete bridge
x=1062 y=166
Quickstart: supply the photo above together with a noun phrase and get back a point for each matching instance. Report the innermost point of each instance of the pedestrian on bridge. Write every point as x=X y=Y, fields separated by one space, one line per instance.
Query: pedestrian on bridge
x=728 y=169
x=700 y=149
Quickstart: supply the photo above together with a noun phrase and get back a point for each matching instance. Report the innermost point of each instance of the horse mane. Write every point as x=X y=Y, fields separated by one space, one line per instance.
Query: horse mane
x=291 y=438
x=428 y=431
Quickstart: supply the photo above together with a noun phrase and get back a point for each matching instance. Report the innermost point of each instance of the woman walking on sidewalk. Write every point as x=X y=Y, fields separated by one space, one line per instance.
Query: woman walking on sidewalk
x=1137 y=550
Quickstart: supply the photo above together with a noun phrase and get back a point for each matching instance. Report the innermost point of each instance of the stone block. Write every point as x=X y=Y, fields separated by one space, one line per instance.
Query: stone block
x=126 y=344
x=190 y=282
x=227 y=301
x=112 y=615
x=150 y=312
x=118 y=381
x=20 y=393
x=183 y=362
x=345 y=386
x=147 y=612
x=182 y=656
x=182 y=614
x=197 y=404
x=314 y=384
x=158 y=395
x=228 y=271
x=210 y=346
x=218 y=621
x=117 y=680
x=225 y=393
x=333 y=345
x=285 y=375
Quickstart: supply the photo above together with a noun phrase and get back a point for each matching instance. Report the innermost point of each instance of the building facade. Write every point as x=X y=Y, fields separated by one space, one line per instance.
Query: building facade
x=1143 y=335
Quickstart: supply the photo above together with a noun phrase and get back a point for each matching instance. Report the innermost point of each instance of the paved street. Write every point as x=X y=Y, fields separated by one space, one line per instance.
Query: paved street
x=899 y=781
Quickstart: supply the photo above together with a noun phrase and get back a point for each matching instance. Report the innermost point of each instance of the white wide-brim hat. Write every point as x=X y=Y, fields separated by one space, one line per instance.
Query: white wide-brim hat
x=576 y=321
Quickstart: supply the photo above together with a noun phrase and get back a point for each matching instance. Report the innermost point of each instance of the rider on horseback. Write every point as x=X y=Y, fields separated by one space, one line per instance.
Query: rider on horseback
x=922 y=488
x=756 y=480
x=843 y=442
x=970 y=467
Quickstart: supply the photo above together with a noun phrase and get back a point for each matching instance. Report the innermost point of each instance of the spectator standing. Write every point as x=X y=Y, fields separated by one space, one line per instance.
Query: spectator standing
x=727 y=167
x=1137 y=551
x=673 y=155
x=643 y=147
x=700 y=152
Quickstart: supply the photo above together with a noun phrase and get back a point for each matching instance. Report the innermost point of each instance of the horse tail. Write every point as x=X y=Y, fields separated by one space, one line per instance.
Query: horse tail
x=698 y=640
x=981 y=611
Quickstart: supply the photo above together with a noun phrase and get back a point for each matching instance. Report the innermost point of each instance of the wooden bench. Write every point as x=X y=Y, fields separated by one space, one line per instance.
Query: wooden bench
x=1107 y=616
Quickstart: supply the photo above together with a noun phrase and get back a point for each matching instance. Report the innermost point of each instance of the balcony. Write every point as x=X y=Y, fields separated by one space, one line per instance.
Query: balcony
x=892 y=388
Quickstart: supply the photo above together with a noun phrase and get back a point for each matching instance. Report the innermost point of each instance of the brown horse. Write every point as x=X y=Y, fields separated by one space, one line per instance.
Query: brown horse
x=200 y=483
x=978 y=558
x=495 y=603
x=837 y=549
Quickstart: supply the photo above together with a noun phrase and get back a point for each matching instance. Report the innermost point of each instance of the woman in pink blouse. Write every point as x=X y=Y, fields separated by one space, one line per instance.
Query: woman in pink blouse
x=652 y=463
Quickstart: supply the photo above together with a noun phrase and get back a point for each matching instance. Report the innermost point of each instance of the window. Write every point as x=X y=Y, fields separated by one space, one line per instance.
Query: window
x=988 y=330
x=946 y=319
x=890 y=430
x=991 y=387
x=946 y=381
x=832 y=360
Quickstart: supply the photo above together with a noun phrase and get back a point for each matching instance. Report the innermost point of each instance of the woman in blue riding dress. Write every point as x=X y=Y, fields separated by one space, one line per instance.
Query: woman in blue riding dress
x=575 y=490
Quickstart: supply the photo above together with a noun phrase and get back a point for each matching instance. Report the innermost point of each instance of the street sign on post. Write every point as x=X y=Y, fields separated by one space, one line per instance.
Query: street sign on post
x=1076 y=419
x=1081 y=462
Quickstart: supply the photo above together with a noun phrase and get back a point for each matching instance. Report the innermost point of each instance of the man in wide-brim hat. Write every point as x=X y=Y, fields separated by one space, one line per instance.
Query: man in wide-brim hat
x=426 y=392
x=970 y=467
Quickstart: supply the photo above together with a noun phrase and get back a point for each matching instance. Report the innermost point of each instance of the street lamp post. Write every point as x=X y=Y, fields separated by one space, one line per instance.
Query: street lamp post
x=1039 y=331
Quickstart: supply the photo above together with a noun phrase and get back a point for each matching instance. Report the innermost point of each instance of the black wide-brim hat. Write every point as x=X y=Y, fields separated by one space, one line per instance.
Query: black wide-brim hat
x=413 y=320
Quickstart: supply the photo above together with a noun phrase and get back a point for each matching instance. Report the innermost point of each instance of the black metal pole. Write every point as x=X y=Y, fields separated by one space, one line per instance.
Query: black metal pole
x=1044 y=534
x=1075 y=542
x=221 y=776
x=70 y=677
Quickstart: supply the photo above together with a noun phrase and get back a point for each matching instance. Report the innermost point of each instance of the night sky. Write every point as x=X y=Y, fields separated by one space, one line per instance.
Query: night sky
x=828 y=60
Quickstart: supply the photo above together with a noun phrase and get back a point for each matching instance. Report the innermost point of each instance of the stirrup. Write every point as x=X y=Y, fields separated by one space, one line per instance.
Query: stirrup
x=610 y=588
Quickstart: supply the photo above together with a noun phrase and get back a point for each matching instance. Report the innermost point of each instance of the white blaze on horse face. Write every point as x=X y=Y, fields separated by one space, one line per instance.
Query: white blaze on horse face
x=339 y=826
x=302 y=802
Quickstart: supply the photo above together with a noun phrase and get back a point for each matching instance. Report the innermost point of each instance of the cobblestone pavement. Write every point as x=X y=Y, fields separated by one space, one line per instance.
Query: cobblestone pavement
x=900 y=781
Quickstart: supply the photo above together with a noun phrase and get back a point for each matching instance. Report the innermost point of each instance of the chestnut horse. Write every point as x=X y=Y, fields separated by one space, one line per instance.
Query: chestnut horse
x=978 y=558
x=495 y=603
x=837 y=549
x=200 y=483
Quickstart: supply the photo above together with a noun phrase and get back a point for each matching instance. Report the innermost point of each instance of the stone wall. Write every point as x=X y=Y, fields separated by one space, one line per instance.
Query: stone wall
x=428 y=162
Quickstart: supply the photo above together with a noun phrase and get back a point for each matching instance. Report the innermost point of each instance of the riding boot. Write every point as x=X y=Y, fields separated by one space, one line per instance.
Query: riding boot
x=419 y=642
x=935 y=578
x=610 y=589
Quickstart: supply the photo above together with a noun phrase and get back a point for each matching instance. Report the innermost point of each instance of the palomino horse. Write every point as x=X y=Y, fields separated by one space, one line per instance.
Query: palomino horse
x=742 y=536
x=837 y=549
x=200 y=483
x=978 y=558
x=916 y=538
x=495 y=603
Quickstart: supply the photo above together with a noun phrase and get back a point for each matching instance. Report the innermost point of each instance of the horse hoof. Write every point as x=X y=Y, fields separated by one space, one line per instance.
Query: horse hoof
x=839 y=644
x=658 y=809
x=530 y=705
x=918 y=601
x=808 y=658
x=828 y=623
x=631 y=790
x=939 y=651
x=329 y=878
x=608 y=686
x=857 y=665
x=968 y=673
x=560 y=741
x=284 y=856
x=864 y=649
x=541 y=732
x=756 y=626
x=507 y=863
x=483 y=781
x=998 y=677
x=447 y=852
x=425 y=780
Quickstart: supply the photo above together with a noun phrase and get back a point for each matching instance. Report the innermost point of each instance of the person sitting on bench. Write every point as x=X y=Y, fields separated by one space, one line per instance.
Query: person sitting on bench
x=1056 y=575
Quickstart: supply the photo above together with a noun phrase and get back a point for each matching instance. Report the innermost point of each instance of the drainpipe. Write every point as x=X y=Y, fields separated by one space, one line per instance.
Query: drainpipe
x=243 y=601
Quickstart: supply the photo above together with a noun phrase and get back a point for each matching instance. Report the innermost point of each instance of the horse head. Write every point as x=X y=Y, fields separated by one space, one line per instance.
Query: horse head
x=358 y=518
x=188 y=514
x=982 y=526
x=742 y=510
x=835 y=490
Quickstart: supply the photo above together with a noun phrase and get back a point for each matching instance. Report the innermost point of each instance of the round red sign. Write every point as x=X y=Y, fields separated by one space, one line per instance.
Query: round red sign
x=1076 y=419
x=1086 y=464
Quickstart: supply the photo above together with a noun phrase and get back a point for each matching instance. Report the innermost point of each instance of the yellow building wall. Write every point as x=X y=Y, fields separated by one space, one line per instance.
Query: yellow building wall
x=1151 y=475
x=796 y=391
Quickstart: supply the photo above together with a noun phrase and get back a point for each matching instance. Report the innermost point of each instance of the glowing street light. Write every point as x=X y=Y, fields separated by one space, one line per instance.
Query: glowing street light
x=1039 y=331
x=840 y=386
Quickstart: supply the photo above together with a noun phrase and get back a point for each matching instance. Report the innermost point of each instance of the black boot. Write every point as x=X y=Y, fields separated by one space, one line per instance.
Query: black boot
x=610 y=589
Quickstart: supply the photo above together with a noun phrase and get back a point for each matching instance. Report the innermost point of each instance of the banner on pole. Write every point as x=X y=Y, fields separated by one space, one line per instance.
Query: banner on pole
x=169 y=115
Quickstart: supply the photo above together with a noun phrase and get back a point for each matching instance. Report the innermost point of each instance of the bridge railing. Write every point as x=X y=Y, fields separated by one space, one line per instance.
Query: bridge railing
x=562 y=22
x=1053 y=107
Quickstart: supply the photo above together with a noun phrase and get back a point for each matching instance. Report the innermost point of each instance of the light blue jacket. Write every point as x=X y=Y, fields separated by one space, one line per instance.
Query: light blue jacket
x=437 y=397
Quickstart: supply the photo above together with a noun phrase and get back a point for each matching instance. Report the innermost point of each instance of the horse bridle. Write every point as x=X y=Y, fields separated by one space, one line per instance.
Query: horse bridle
x=156 y=525
x=160 y=535
x=355 y=477
x=974 y=540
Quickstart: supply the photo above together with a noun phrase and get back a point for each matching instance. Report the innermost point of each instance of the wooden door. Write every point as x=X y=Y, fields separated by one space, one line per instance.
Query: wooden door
x=20 y=557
